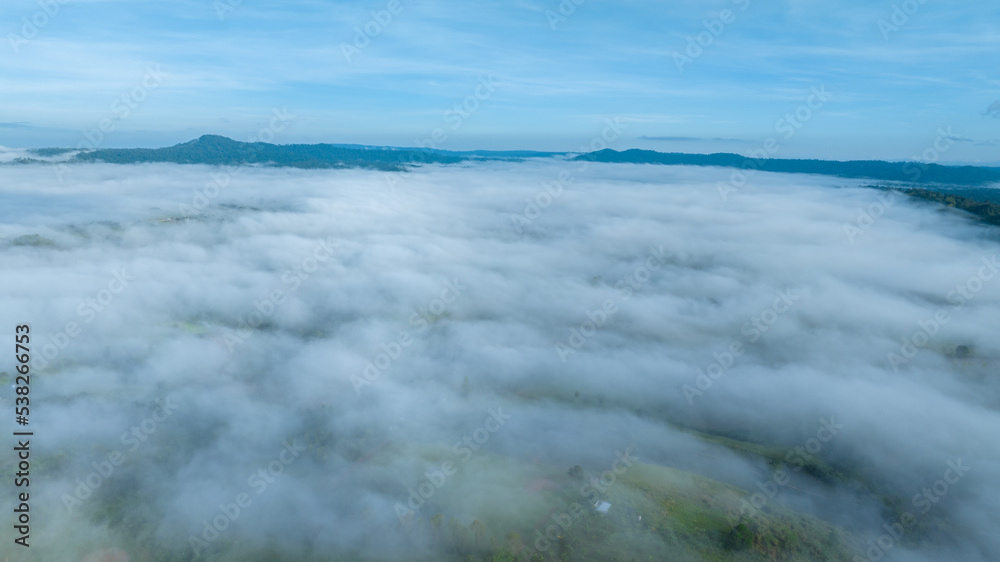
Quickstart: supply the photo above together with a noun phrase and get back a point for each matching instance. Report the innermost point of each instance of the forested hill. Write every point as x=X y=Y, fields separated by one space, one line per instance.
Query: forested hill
x=911 y=172
x=214 y=149
x=219 y=150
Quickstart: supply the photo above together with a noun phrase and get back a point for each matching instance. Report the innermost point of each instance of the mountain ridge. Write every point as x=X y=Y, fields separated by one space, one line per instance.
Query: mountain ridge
x=913 y=172
x=221 y=150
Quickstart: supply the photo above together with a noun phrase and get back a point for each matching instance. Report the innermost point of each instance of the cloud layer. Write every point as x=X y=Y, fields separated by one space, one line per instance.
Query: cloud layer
x=318 y=340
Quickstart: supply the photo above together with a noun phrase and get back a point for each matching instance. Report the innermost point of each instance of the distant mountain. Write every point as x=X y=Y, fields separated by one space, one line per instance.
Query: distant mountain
x=490 y=154
x=215 y=149
x=911 y=172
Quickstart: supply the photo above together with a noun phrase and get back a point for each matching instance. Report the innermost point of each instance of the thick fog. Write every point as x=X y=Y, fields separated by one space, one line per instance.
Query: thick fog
x=312 y=343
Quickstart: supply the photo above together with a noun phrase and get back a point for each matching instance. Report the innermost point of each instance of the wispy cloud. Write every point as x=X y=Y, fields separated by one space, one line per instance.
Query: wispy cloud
x=690 y=139
x=248 y=264
x=993 y=110
x=68 y=77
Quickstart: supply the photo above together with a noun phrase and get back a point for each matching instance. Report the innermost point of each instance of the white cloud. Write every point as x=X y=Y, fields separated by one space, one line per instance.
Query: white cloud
x=196 y=280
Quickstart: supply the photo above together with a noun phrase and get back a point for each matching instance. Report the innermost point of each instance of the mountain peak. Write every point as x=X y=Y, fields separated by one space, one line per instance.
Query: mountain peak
x=213 y=139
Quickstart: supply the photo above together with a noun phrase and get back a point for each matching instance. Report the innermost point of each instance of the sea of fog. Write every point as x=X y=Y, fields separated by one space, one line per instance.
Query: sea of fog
x=298 y=340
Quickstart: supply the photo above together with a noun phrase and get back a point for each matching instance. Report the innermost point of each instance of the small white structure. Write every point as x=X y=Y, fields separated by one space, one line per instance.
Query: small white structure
x=602 y=507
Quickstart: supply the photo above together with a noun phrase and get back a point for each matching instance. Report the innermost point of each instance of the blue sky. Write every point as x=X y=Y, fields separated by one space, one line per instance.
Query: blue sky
x=557 y=73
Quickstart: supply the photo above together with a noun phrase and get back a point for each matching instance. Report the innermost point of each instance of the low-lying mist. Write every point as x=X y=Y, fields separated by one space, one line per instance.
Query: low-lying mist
x=312 y=362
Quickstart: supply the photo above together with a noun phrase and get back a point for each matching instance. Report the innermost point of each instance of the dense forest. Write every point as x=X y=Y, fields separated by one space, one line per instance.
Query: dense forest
x=214 y=149
x=983 y=210
x=916 y=172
